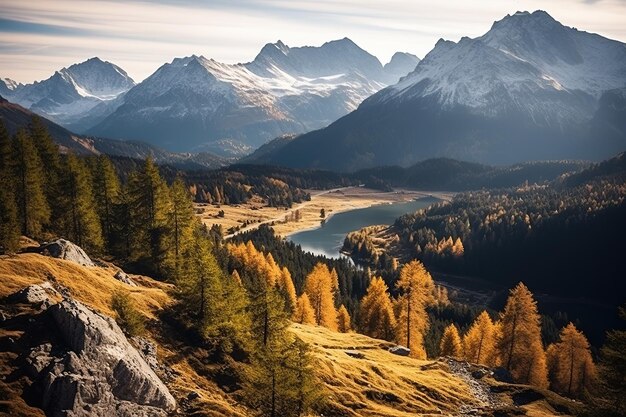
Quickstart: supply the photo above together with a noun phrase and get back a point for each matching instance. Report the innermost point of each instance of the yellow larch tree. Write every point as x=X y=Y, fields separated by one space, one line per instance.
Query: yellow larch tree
x=285 y=284
x=304 y=313
x=569 y=360
x=335 y=279
x=273 y=272
x=319 y=287
x=519 y=345
x=343 y=320
x=377 y=317
x=416 y=289
x=480 y=341
x=450 y=344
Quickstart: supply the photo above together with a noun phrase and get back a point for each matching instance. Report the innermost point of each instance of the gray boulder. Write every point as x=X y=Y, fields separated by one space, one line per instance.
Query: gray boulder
x=102 y=375
x=34 y=294
x=400 y=350
x=123 y=277
x=64 y=249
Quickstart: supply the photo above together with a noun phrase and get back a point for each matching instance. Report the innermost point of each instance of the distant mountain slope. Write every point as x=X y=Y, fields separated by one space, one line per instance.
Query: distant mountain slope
x=194 y=103
x=71 y=93
x=15 y=117
x=528 y=89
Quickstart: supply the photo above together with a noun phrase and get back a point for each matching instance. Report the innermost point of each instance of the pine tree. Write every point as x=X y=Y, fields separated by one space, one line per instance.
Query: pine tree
x=450 y=344
x=32 y=206
x=269 y=318
x=304 y=313
x=519 y=345
x=9 y=225
x=51 y=166
x=181 y=223
x=573 y=370
x=107 y=189
x=79 y=222
x=149 y=205
x=343 y=320
x=416 y=287
x=377 y=317
x=200 y=286
x=307 y=387
x=319 y=287
x=479 y=341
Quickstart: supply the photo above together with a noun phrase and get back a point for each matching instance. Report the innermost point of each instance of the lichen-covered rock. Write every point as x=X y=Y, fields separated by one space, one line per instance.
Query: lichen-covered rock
x=123 y=277
x=64 y=249
x=102 y=375
x=34 y=294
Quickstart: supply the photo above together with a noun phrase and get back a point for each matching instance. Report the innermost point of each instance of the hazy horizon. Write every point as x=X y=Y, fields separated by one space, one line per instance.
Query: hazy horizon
x=40 y=37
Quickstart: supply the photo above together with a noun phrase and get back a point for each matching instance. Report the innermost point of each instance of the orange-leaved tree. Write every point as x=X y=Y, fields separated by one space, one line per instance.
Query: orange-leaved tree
x=416 y=289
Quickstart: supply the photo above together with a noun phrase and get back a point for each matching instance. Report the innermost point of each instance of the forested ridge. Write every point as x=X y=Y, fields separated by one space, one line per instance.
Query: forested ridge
x=237 y=299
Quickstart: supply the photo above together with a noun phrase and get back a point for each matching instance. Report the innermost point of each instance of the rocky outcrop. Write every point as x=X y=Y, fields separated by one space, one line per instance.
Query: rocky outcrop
x=123 y=277
x=64 y=249
x=102 y=375
x=34 y=294
x=400 y=350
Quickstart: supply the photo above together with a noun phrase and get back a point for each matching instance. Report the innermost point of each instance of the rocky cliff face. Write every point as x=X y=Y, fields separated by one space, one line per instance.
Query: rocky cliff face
x=91 y=369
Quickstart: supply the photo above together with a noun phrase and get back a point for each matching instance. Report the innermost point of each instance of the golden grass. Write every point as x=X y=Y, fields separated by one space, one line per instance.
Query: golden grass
x=90 y=285
x=381 y=384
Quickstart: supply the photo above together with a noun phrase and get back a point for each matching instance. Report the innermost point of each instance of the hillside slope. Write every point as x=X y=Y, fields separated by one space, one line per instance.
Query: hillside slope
x=360 y=377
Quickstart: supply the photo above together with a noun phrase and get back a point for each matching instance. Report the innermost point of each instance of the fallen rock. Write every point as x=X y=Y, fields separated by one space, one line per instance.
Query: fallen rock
x=103 y=374
x=123 y=277
x=64 y=249
x=400 y=350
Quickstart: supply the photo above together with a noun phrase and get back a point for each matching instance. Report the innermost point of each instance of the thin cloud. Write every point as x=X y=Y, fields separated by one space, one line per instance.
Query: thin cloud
x=36 y=36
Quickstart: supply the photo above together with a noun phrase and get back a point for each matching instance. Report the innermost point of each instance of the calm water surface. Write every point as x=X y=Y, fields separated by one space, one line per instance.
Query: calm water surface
x=328 y=239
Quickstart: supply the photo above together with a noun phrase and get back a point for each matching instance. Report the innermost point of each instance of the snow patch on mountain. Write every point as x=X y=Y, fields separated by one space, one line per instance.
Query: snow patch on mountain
x=527 y=62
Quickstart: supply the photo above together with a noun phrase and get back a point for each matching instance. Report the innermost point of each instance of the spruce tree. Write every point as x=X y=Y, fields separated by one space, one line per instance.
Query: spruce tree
x=51 y=166
x=180 y=223
x=32 y=207
x=613 y=368
x=149 y=207
x=79 y=220
x=107 y=188
x=9 y=225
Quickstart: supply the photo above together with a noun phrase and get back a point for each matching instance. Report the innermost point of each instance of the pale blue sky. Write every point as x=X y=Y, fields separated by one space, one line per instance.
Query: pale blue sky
x=38 y=37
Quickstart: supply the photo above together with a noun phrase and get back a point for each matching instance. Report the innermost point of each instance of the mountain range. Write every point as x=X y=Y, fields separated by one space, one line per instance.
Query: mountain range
x=195 y=103
x=529 y=89
x=17 y=117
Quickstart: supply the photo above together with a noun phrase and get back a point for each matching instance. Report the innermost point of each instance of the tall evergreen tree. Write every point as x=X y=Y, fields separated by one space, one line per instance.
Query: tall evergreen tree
x=79 y=220
x=149 y=207
x=519 y=346
x=416 y=287
x=107 y=188
x=32 y=206
x=9 y=225
x=51 y=166
x=181 y=222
